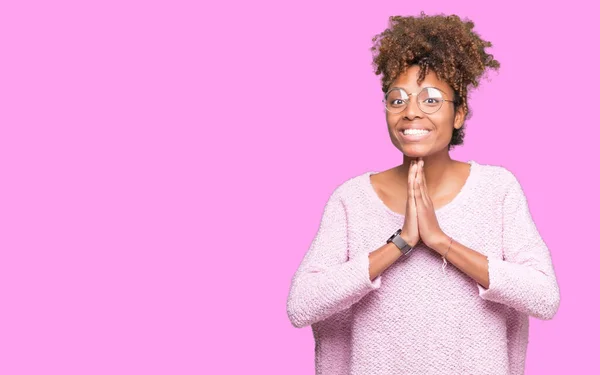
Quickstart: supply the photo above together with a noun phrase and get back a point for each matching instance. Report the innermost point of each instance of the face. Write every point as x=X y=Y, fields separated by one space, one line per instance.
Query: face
x=437 y=126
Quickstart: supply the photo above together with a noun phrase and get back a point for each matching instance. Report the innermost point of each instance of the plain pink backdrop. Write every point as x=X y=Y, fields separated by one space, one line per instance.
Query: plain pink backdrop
x=164 y=167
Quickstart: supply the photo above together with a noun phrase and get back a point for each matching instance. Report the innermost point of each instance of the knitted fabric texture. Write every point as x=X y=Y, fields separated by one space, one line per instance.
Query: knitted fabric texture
x=416 y=318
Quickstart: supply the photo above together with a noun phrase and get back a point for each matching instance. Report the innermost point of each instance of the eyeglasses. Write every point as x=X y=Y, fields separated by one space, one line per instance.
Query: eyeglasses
x=429 y=100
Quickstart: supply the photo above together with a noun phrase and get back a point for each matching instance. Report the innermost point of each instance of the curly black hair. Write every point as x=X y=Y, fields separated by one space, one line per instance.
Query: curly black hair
x=444 y=44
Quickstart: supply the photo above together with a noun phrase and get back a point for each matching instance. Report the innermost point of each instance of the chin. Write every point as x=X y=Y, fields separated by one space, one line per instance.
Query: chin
x=417 y=151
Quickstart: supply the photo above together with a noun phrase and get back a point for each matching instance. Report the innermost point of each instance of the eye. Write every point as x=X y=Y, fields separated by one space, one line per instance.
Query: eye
x=431 y=101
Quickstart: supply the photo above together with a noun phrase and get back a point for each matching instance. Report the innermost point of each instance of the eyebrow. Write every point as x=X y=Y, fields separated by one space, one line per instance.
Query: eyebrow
x=426 y=87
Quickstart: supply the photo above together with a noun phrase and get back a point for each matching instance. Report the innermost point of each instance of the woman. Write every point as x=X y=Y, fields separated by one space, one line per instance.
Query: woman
x=435 y=265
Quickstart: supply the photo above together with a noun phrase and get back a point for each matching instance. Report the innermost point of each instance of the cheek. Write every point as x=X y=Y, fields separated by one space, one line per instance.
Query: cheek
x=390 y=119
x=391 y=122
x=444 y=122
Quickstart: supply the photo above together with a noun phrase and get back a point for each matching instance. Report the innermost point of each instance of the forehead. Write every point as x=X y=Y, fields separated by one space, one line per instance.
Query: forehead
x=408 y=80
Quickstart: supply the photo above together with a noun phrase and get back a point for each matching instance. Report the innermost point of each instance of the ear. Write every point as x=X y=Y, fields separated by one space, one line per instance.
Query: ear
x=459 y=117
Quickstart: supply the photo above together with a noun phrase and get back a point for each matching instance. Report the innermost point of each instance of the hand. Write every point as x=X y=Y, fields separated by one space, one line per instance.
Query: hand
x=429 y=228
x=410 y=229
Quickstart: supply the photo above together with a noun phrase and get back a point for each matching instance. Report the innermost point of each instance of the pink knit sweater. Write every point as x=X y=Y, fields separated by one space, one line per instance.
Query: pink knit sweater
x=414 y=318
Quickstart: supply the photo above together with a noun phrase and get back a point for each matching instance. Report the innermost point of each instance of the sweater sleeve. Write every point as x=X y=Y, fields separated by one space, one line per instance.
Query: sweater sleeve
x=327 y=282
x=524 y=279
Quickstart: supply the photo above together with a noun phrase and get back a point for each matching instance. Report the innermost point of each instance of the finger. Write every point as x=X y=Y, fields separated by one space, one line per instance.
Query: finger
x=411 y=182
x=421 y=192
x=418 y=184
x=425 y=191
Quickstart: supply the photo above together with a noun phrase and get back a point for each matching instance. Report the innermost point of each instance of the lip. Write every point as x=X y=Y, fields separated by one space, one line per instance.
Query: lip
x=414 y=138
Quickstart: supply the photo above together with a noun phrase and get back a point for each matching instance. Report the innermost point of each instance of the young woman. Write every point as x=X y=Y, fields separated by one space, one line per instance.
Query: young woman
x=435 y=265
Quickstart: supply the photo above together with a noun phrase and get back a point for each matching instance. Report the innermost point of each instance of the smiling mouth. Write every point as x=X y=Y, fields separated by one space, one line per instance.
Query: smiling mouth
x=415 y=131
x=414 y=135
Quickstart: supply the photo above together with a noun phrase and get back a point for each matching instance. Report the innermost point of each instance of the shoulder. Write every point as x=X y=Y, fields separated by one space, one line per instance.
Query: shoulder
x=497 y=177
x=352 y=187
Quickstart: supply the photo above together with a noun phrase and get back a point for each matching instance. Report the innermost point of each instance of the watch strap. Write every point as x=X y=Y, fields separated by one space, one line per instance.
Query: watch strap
x=404 y=248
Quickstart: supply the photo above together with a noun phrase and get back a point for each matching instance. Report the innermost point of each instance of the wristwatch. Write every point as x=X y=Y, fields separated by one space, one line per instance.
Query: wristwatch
x=405 y=248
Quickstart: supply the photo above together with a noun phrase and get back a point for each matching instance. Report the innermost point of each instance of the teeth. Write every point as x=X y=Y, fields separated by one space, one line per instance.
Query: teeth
x=415 y=131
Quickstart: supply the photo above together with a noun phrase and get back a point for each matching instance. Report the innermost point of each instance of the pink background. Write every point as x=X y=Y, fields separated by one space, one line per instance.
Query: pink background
x=164 y=167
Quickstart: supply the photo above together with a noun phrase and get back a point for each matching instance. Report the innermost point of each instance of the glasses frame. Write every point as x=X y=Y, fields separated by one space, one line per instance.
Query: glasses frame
x=384 y=100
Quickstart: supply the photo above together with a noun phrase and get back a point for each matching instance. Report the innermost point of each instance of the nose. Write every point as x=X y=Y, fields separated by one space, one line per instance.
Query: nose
x=412 y=110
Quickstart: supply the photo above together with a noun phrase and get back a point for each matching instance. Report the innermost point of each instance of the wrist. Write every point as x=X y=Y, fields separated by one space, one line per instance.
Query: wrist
x=410 y=242
x=440 y=245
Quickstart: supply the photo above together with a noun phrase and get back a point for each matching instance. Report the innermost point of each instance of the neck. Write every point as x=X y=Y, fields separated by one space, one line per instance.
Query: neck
x=436 y=169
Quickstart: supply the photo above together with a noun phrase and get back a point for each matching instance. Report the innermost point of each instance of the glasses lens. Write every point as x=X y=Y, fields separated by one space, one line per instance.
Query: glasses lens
x=395 y=100
x=430 y=100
